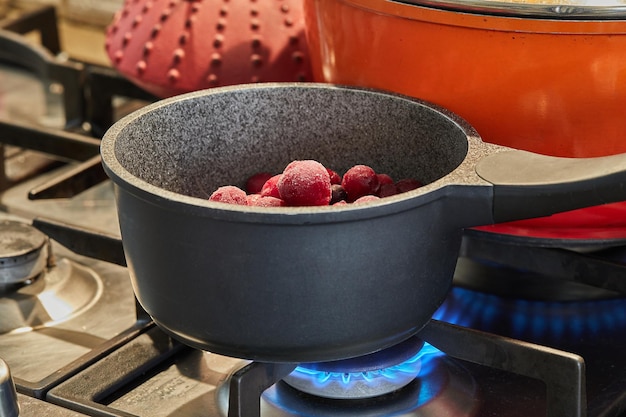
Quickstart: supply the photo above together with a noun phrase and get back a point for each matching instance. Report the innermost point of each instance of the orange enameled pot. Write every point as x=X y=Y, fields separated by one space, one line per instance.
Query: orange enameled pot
x=542 y=78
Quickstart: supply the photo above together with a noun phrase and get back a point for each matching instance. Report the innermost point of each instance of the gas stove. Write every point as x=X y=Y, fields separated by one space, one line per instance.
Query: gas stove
x=527 y=329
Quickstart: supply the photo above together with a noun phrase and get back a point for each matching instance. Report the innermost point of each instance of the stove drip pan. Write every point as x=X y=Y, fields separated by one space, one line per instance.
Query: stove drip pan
x=60 y=292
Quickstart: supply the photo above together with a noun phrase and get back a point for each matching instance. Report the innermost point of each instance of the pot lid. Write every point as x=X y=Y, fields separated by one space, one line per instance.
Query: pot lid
x=548 y=9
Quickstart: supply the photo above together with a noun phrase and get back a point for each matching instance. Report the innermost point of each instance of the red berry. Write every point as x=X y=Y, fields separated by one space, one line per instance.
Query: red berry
x=270 y=188
x=366 y=198
x=360 y=180
x=305 y=183
x=387 y=190
x=260 y=201
x=229 y=194
x=407 y=185
x=254 y=184
x=384 y=179
x=335 y=178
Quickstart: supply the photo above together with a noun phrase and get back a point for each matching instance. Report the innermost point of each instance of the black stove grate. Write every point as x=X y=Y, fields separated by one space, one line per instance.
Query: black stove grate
x=89 y=94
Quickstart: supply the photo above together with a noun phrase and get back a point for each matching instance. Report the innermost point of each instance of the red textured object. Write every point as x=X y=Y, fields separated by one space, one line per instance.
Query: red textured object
x=366 y=198
x=229 y=194
x=360 y=180
x=387 y=190
x=384 y=179
x=270 y=188
x=305 y=183
x=407 y=184
x=335 y=178
x=258 y=200
x=169 y=47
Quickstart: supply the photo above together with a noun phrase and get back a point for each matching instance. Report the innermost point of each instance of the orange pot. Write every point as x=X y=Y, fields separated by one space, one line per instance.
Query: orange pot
x=550 y=80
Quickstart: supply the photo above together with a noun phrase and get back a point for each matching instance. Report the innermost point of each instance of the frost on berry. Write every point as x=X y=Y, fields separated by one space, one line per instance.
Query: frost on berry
x=366 y=198
x=229 y=194
x=270 y=188
x=305 y=183
x=335 y=178
x=258 y=200
x=309 y=183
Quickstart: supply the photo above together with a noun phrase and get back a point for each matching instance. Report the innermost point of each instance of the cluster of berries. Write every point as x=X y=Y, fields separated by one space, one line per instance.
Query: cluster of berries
x=309 y=183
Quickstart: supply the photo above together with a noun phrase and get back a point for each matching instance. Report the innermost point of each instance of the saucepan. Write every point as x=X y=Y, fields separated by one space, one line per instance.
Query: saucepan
x=310 y=284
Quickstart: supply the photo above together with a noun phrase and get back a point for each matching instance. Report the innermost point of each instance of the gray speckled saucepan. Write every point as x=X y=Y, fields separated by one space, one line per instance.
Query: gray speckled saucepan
x=315 y=283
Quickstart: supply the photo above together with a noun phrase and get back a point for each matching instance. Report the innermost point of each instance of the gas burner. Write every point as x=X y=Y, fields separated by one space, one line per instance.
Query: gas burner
x=34 y=292
x=23 y=253
x=366 y=376
x=441 y=384
x=553 y=323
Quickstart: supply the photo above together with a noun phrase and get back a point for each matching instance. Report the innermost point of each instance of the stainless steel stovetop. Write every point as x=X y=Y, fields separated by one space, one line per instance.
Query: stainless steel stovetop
x=77 y=343
x=106 y=357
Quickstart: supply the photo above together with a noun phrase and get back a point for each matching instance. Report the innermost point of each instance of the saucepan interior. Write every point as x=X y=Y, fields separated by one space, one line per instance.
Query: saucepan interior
x=192 y=144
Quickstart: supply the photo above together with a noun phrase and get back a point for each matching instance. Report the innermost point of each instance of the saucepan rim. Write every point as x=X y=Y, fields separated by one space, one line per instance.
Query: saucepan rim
x=463 y=174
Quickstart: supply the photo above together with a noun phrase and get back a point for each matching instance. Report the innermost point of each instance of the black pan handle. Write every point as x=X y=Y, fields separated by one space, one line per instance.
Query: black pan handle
x=528 y=185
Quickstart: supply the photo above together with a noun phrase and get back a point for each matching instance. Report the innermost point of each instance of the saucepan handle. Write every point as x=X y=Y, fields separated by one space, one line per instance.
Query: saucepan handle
x=528 y=185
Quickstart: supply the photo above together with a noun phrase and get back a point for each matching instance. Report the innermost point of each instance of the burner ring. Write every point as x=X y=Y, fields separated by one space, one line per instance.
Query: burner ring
x=366 y=376
x=23 y=252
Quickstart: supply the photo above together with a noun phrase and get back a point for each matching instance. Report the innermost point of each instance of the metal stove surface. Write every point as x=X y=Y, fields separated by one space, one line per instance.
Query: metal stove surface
x=109 y=360
x=187 y=382
x=25 y=99
x=32 y=407
x=196 y=384
x=54 y=333
x=92 y=209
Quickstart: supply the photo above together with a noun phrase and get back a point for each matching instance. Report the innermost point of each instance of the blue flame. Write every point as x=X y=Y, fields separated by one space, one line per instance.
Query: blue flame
x=535 y=321
x=429 y=387
x=408 y=367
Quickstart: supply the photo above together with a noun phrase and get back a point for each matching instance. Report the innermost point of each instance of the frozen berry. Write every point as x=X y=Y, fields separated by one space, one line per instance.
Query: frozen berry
x=270 y=188
x=335 y=178
x=254 y=184
x=338 y=193
x=387 y=190
x=384 y=179
x=229 y=194
x=305 y=183
x=260 y=201
x=407 y=185
x=360 y=180
x=366 y=198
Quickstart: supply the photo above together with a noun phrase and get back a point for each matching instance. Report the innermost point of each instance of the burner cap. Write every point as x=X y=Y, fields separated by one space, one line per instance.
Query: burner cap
x=23 y=252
